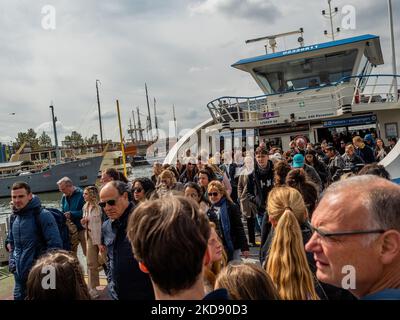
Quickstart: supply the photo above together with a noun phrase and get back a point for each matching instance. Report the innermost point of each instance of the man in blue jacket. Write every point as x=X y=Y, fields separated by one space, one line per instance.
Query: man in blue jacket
x=72 y=203
x=125 y=280
x=25 y=241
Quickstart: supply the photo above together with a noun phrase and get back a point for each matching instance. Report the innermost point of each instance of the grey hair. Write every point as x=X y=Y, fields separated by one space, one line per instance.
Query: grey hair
x=121 y=186
x=381 y=198
x=65 y=180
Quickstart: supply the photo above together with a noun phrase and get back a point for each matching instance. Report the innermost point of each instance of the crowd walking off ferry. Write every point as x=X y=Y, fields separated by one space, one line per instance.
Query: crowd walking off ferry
x=292 y=194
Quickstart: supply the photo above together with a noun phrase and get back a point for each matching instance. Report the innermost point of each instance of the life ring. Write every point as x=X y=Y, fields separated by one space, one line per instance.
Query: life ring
x=357 y=96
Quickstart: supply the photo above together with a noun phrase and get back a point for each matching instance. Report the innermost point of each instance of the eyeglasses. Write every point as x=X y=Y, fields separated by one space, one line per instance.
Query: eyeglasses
x=138 y=190
x=213 y=194
x=325 y=234
x=109 y=202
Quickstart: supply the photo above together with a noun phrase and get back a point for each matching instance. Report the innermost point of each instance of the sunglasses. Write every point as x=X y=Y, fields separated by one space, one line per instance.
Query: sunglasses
x=138 y=190
x=213 y=194
x=109 y=202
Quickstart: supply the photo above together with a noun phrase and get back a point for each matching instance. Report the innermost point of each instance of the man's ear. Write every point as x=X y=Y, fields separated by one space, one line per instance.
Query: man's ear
x=390 y=247
x=207 y=257
x=143 y=268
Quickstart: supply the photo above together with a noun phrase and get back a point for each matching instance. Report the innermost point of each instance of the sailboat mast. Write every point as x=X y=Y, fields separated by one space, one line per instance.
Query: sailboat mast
x=134 y=125
x=176 y=129
x=98 y=105
x=140 y=125
x=130 y=129
x=55 y=134
x=148 y=110
x=155 y=118
x=121 y=139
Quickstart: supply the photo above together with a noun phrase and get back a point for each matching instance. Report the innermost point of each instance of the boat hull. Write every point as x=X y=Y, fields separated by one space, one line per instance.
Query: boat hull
x=82 y=173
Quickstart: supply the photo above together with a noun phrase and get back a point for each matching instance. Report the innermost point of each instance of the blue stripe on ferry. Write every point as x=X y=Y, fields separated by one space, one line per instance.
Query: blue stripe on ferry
x=397 y=180
x=313 y=47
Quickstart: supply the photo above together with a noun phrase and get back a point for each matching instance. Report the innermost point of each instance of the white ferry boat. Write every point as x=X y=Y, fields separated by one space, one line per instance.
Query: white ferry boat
x=312 y=91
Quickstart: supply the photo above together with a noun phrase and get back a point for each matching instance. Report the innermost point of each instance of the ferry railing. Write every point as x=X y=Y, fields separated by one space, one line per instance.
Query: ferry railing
x=237 y=109
x=348 y=91
x=372 y=88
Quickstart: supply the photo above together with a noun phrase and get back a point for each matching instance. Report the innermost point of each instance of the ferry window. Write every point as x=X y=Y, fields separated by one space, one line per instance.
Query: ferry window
x=44 y=155
x=307 y=73
x=34 y=156
x=53 y=155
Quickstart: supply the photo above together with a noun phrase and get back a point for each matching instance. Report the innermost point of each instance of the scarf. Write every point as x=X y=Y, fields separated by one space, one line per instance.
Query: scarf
x=225 y=225
x=263 y=171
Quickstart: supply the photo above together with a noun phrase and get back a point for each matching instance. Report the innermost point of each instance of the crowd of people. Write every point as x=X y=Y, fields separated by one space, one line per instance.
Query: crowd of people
x=181 y=234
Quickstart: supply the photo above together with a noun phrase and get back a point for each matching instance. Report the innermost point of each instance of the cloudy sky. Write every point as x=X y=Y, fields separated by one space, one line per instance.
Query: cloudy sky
x=183 y=49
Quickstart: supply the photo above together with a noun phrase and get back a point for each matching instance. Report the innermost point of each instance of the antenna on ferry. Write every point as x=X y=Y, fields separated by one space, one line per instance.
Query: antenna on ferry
x=394 y=83
x=272 y=39
x=330 y=14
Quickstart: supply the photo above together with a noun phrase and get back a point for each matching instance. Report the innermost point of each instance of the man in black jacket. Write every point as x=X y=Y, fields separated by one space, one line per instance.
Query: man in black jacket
x=257 y=186
x=125 y=280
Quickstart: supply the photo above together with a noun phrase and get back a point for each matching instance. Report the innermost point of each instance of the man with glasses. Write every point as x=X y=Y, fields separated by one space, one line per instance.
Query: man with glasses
x=356 y=238
x=125 y=280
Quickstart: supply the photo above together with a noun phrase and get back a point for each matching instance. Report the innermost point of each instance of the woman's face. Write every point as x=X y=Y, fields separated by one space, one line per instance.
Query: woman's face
x=214 y=195
x=192 y=193
x=309 y=158
x=138 y=192
x=86 y=195
x=249 y=163
x=379 y=143
x=157 y=169
x=203 y=180
x=214 y=246
x=166 y=182
x=350 y=151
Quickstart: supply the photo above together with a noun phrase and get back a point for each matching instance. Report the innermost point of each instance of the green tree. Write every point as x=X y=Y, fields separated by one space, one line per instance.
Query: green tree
x=44 y=140
x=75 y=139
x=30 y=137
x=92 y=140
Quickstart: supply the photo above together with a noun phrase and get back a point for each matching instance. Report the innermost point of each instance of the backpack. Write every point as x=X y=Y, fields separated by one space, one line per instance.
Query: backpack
x=61 y=222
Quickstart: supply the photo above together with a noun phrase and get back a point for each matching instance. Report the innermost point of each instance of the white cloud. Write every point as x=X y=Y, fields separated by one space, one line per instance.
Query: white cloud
x=183 y=49
x=256 y=9
x=5 y=139
x=198 y=69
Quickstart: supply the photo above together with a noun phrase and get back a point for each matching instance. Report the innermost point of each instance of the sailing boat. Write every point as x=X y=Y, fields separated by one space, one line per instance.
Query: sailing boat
x=140 y=145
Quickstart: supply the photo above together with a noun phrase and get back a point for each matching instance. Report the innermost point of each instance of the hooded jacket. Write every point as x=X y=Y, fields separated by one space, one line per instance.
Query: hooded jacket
x=26 y=242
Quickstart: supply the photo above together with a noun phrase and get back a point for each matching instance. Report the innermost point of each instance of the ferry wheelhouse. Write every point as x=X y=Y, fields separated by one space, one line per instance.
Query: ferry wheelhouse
x=314 y=91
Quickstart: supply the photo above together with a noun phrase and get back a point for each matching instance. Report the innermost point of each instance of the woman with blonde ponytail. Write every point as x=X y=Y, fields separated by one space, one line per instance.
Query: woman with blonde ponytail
x=289 y=266
x=287 y=263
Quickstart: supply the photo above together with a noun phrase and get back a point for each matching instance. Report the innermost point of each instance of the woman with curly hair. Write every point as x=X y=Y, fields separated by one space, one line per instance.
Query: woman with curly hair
x=142 y=189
